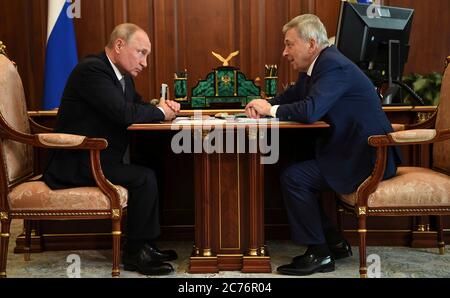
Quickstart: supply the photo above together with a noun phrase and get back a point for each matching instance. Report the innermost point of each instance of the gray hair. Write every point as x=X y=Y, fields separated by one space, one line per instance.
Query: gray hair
x=309 y=27
x=123 y=31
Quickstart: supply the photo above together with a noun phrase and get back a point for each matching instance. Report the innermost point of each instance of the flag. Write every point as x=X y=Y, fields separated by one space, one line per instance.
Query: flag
x=61 y=55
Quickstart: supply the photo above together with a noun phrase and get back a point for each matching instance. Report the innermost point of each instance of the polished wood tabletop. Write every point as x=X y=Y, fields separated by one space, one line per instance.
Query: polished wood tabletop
x=210 y=124
x=235 y=111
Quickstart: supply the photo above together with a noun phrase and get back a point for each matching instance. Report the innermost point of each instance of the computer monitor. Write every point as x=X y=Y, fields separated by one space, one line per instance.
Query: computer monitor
x=376 y=38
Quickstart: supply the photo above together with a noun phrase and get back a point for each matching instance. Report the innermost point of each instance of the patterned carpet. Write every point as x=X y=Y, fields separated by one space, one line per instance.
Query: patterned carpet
x=395 y=262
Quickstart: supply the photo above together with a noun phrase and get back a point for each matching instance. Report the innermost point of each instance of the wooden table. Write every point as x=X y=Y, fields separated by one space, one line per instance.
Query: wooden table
x=229 y=198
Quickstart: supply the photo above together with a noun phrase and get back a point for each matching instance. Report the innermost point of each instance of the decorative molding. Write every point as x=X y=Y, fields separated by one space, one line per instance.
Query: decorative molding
x=262 y=251
x=43 y=214
x=410 y=210
x=253 y=252
x=421 y=228
x=362 y=211
x=115 y=213
x=4 y=215
x=3 y=49
x=207 y=252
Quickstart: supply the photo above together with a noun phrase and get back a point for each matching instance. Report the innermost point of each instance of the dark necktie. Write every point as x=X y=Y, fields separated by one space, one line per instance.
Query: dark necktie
x=122 y=82
x=126 y=156
x=307 y=80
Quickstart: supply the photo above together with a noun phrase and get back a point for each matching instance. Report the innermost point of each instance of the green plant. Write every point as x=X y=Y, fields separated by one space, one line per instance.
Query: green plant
x=426 y=86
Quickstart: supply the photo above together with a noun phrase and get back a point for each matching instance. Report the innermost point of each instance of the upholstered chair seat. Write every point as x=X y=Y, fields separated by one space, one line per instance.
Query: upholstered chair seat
x=37 y=196
x=411 y=187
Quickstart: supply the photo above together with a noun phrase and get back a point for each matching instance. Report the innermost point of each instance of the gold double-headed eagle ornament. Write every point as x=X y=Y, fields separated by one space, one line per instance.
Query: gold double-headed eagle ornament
x=227 y=60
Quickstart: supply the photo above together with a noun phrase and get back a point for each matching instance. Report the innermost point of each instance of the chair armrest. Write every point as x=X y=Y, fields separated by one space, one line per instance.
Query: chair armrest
x=410 y=137
x=111 y=191
x=60 y=140
x=414 y=135
x=53 y=141
x=68 y=141
x=37 y=128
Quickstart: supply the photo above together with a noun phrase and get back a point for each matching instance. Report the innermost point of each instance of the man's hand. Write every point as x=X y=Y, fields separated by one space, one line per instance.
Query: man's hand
x=167 y=105
x=175 y=106
x=258 y=108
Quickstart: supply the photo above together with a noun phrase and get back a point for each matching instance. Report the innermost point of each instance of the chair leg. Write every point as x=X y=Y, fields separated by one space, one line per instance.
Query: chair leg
x=116 y=233
x=27 y=248
x=440 y=234
x=362 y=247
x=4 y=242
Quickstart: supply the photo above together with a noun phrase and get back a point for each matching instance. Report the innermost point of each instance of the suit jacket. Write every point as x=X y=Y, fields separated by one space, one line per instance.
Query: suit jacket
x=94 y=105
x=339 y=93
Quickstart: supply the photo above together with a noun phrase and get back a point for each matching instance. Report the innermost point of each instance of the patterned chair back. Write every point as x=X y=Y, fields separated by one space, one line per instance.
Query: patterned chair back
x=16 y=158
x=441 y=150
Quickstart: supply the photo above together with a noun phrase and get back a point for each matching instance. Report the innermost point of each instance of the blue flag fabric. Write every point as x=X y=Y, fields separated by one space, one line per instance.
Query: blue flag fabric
x=61 y=54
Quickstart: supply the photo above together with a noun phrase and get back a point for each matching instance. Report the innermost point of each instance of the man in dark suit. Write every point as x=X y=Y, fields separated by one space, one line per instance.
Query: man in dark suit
x=100 y=101
x=331 y=88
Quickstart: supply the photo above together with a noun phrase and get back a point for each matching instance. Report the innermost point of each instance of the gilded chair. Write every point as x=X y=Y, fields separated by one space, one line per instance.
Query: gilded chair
x=23 y=196
x=414 y=191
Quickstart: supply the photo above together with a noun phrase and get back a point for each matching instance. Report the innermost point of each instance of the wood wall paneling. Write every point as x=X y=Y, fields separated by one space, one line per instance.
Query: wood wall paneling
x=328 y=12
x=430 y=42
x=90 y=29
x=184 y=32
x=140 y=12
x=24 y=34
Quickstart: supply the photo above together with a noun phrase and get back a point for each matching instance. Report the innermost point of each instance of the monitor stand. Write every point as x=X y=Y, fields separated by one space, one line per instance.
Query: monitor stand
x=394 y=52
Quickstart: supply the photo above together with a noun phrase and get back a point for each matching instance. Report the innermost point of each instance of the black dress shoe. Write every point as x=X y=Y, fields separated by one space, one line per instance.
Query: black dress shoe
x=145 y=264
x=341 y=250
x=308 y=264
x=161 y=255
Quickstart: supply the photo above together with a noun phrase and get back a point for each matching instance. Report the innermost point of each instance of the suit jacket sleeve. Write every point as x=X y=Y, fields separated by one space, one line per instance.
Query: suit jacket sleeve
x=98 y=89
x=289 y=95
x=327 y=86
